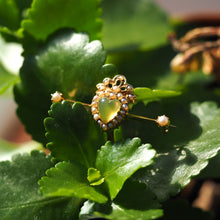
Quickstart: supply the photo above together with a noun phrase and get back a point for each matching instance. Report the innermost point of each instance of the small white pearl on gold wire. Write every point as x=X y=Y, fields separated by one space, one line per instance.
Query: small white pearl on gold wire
x=163 y=120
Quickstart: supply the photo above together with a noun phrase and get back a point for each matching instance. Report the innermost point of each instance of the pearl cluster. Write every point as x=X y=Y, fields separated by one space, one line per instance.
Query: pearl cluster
x=113 y=89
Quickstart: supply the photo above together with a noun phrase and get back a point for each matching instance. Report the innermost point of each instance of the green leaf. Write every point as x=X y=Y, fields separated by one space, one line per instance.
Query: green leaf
x=118 y=161
x=94 y=177
x=69 y=63
x=7 y=149
x=147 y=95
x=7 y=80
x=116 y=212
x=83 y=15
x=73 y=134
x=135 y=195
x=69 y=179
x=118 y=134
x=9 y=14
x=179 y=158
x=19 y=191
x=119 y=213
x=131 y=25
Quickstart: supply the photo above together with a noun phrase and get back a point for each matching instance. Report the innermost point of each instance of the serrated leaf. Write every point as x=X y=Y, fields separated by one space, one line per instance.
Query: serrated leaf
x=178 y=163
x=69 y=63
x=69 y=179
x=130 y=25
x=9 y=15
x=147 y=95
x=19 y=191
x=7 y=80
x=116 y=212
x=80 y=15
x=73 y=134
x=118 y=161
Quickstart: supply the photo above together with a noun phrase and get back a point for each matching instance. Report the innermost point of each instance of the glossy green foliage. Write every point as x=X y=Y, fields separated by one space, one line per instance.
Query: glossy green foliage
x=69 y=64
x=147 y=95
x=180 y=160
x=131 y=25
x=83 y=15
x=94 y=177
x=90 y=210
x=19 y=191
x=118 y=161
x=73 y=134
x=9 y=15
x=69 y=179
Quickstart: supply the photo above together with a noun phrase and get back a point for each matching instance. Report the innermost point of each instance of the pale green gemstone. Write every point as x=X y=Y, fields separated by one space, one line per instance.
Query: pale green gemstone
x=108 y=109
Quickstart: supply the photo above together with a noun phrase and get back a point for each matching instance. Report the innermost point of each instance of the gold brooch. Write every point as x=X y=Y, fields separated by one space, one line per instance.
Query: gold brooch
x=111 y=103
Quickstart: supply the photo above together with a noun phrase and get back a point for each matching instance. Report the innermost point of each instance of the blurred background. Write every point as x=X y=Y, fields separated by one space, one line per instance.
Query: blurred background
x=189 y=8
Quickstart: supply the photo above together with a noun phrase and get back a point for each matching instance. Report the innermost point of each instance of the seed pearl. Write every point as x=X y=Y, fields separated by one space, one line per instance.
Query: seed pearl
x=100 y=93
x=95 y=98
x=110 y=125
x=129 y=88
x=106 y=81
x=107 y=93
x=93 y=110
x=99 y=122
x=104 y=127
x=124 y=101
x=112 y=95
x=119 y=96
x=96 y=116
x=100 y=86
x=114 y=121
x=119 y=117
x=116 y=89
x=131 y=97
x=163 y=120
x=122 y=112
x=94 y=104
x=125 y=107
